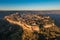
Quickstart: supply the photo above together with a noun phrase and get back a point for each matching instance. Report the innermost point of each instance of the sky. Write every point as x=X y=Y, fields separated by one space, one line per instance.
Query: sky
x=29 y=4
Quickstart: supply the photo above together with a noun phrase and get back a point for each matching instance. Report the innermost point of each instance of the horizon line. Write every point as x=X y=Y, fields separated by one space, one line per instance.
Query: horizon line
x=31 y=10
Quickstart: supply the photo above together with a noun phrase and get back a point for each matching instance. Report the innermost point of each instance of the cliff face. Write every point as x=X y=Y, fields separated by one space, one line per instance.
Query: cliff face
x=28 y=27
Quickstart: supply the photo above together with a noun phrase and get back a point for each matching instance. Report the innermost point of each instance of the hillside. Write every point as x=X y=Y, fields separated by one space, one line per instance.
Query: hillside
x=28 y=27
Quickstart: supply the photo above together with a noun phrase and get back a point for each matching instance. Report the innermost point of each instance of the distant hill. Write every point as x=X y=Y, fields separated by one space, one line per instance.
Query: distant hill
x=4 y=13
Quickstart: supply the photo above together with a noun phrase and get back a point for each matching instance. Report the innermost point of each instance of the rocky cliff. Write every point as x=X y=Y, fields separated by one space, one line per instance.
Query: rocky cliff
x=28 y=27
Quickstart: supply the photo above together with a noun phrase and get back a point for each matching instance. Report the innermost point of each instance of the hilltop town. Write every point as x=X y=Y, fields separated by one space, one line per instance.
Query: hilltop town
x=30 y=19
x=34 y=26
